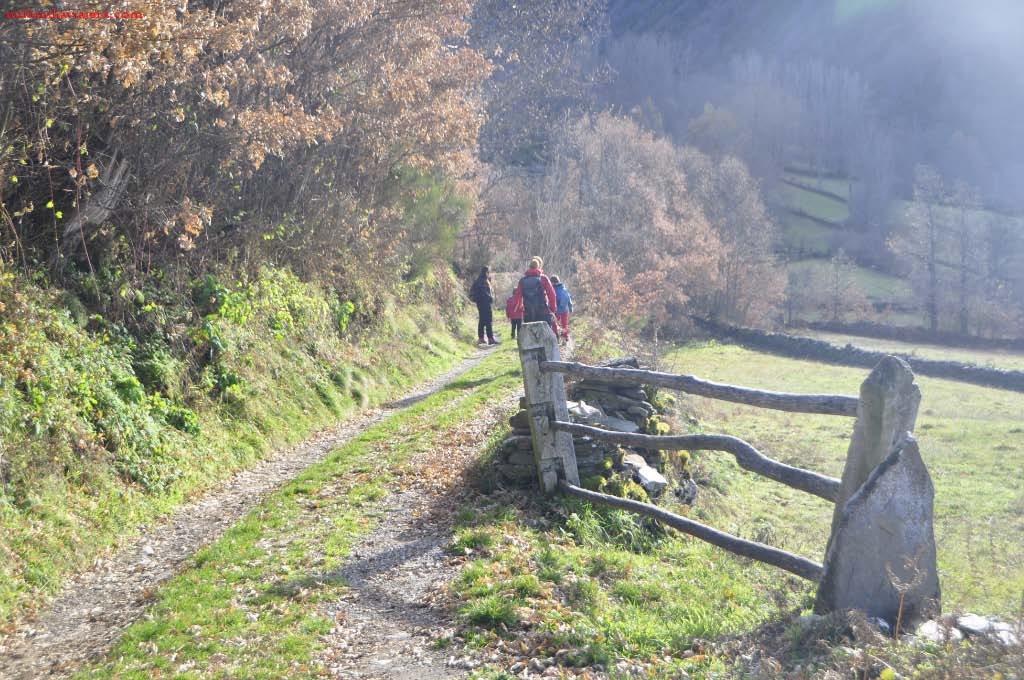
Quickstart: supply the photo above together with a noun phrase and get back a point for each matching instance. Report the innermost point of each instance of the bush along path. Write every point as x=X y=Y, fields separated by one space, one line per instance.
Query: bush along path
x=324 y=560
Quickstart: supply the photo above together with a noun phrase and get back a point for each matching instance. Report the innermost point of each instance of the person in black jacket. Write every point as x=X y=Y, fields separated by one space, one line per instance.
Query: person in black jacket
x=482 y=293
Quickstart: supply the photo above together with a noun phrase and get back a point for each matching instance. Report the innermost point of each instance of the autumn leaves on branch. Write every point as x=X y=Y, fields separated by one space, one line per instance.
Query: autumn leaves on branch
x=289 y=127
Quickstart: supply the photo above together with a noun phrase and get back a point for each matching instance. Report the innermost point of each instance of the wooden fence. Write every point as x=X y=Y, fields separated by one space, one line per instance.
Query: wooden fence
x=885 y=413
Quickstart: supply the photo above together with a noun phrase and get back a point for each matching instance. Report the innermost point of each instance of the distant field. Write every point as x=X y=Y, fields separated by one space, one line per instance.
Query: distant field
x=805 y=236
x=794 y=200
x=809 y=203
x=995 y=358
x=879 y=287
x=833 y=185
x=898 y=214
x=972 y=440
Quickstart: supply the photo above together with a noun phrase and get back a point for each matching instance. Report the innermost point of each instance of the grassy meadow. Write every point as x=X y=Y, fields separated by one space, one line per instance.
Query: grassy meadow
x=595 y=586
x=811 y=203
x=838 y=186
x=972 y=439
x=807 y=238
x=877 y=286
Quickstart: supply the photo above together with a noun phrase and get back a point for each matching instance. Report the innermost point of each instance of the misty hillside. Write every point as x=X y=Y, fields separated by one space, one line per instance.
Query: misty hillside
x=944 y=77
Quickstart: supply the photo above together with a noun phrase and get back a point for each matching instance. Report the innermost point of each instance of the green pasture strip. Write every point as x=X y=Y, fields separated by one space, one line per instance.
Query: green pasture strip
x=805 y=236
x=971 y=439
x=878 y=287
x=89 y=429
x=810 y=203
x=899 y=216
x=833 y=185
x=993 y=358
x=248 y=604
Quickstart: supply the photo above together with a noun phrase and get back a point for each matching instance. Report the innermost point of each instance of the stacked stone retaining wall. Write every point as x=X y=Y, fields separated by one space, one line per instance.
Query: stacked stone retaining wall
x=623 y=408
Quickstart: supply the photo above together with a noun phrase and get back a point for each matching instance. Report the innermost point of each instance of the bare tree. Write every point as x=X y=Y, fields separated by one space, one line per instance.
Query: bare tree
x=922 y=241
x=967 y=232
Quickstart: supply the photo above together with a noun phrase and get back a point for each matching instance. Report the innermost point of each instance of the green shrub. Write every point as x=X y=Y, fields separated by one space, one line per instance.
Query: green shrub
x=157 y=369
x=591 y=526
x=491 y=611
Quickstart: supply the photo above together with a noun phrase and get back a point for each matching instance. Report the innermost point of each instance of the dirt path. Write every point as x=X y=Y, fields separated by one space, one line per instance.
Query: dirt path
x=393 y=573
x=392 y=623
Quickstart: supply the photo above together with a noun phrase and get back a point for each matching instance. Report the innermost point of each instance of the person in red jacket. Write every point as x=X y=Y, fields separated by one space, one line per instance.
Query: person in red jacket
x=536 y=295
x=514 y=312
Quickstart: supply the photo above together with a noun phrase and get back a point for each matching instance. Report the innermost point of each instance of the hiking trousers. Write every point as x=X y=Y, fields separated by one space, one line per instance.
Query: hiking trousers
x=485 y=323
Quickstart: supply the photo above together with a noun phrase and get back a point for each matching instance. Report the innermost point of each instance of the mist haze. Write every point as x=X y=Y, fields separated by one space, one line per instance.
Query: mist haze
x=944 y=77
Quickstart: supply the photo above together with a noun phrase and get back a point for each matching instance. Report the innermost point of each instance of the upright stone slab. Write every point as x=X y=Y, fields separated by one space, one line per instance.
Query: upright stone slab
x=545 y=402
x=884 y=542
x=887 y=408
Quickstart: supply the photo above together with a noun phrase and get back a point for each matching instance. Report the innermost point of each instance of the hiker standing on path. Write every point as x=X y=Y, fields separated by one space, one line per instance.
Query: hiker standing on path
x=563 y=306
x=482 y=294
x=514 y=312
x=537 y=295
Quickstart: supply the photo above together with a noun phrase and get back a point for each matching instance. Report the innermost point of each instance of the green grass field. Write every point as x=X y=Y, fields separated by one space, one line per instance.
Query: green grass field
x=878 y=286
x=833 y=185
x=805 y=236
x=599 y=586
x=971 y=439
x=899 y=212
x=809 y=203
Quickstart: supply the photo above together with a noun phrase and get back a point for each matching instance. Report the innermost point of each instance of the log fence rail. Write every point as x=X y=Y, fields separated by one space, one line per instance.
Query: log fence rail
x=885 y=413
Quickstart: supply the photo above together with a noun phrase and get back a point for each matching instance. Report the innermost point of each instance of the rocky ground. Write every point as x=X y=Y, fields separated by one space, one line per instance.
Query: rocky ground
x=386 y=626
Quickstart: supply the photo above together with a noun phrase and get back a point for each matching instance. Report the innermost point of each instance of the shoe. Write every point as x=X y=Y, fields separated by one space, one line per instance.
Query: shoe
x=492 y=341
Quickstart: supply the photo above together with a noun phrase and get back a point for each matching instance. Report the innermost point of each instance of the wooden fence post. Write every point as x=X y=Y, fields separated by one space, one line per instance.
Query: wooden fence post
x=887 y=409
x=553 y=451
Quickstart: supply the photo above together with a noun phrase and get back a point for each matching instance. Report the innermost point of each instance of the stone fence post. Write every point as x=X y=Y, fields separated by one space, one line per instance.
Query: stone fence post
x=881 y=552
x=553 y=451
x=886 y=410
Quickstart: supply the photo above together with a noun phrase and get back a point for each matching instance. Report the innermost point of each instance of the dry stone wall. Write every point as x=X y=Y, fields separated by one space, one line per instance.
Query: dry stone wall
x=800 y=347
x=917 y=335
x=622 y=408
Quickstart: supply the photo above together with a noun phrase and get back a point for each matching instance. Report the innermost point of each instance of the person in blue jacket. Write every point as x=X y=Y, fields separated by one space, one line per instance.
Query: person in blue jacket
x=563 y=302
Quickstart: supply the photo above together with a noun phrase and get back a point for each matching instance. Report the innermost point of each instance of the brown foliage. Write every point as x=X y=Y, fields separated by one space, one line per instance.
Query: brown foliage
x=233 y=123
x=689 y=233
x=751 y=281
x=621 y=192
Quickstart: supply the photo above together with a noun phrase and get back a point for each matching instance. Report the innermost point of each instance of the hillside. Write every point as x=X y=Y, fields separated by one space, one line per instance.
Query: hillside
x=234 y=235
x=934 y=68
x=868 y=125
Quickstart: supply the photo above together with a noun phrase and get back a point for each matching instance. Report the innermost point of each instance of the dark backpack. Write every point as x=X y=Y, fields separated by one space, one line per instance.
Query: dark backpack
x=478 y=291
x=535 y=302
